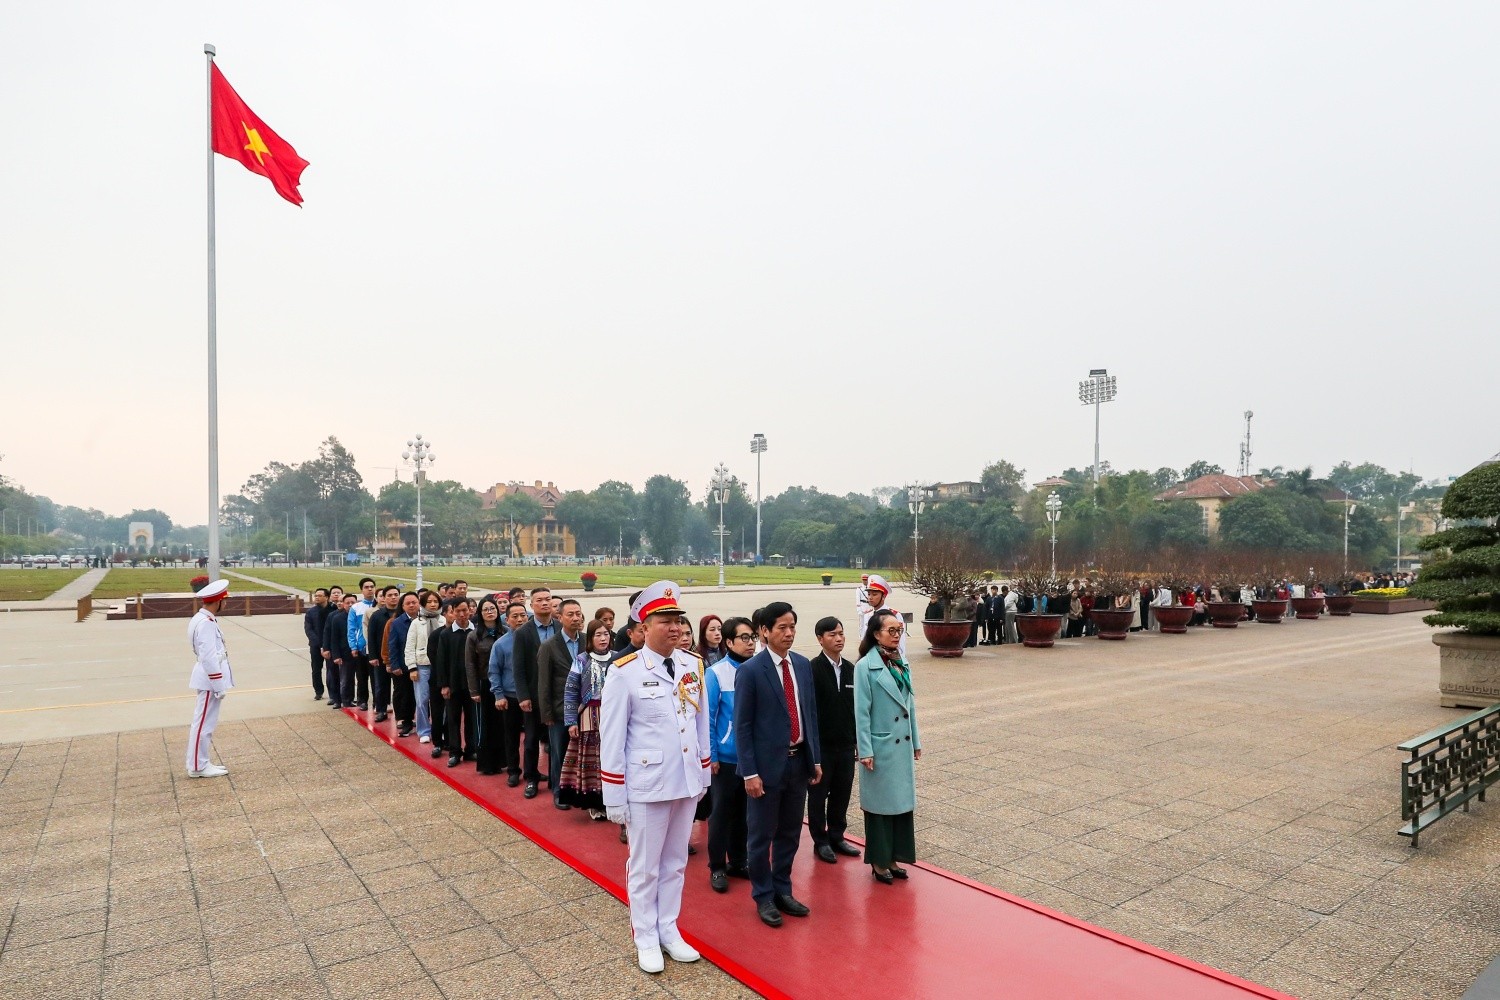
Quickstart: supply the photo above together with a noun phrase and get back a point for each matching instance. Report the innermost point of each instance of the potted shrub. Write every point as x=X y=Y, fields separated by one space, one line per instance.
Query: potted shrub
x=1109 y=585
x=1229 y=610
x=1038 y=630
x=1178 y=579
x=590 y=579
x=198 y=583
x=827 y=579
x=1464 y=580
x=949 y=572
x=1270 y=609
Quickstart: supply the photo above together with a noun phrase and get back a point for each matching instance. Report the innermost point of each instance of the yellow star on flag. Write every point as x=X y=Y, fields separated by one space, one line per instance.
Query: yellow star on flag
x=257 y=148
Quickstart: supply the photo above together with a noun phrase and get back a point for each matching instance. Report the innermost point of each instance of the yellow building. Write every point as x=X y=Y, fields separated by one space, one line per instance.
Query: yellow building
x=547 y=537
x=1211 y=492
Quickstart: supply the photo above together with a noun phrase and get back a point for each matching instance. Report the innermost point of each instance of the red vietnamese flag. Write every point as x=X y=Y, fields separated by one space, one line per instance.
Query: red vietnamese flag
x=239 y=134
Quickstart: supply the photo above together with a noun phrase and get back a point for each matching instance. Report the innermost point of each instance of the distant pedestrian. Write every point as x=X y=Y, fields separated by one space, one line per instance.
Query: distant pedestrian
x=313 y=620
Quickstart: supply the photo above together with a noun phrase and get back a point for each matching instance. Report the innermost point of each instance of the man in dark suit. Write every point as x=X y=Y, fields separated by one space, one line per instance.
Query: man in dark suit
x=453 y=684
x=554 y=661
x=995 y=616
x=776 y=738
x=833 y=689
x=529 y=639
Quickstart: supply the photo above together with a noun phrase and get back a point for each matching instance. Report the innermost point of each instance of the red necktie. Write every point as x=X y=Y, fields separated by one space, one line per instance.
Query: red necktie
x=791 y=701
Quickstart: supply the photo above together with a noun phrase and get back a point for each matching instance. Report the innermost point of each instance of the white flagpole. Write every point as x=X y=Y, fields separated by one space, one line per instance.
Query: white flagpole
x=213 y=345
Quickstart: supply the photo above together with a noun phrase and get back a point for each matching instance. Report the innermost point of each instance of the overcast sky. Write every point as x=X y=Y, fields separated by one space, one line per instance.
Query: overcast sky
x=890 y=237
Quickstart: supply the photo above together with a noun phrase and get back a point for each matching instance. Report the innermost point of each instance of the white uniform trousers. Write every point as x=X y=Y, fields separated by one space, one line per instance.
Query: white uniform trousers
x=659 y=833
x=201 y=731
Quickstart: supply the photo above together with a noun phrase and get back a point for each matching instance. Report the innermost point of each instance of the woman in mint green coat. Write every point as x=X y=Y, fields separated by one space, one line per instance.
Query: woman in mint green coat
x=885 y=727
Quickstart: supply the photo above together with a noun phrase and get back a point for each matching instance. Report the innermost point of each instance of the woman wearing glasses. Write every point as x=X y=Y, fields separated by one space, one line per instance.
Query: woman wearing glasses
x=885 y=727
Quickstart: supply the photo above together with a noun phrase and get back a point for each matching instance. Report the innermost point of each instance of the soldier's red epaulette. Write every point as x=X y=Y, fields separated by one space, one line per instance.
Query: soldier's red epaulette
x=627 y=658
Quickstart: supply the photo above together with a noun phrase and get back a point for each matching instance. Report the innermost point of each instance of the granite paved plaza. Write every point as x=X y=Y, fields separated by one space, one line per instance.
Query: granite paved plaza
x=1229 y=796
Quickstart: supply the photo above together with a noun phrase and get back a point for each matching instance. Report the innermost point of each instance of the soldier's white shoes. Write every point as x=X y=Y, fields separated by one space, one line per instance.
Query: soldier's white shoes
x=211 y=771
x=650 y=959
x=681 y=951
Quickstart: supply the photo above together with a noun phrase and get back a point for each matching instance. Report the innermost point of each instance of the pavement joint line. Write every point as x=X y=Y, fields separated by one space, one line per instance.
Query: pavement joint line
x=136 y=701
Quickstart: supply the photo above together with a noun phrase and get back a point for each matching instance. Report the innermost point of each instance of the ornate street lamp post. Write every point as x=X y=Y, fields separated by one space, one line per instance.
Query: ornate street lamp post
x=418 y=455
x=757 y=448
x=1054 y=514
x=916 y=502
x=721 y=494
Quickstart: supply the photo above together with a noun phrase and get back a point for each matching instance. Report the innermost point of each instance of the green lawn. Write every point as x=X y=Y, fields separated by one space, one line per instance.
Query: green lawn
x=34 y=584
x=563 y=577
x=129 y=582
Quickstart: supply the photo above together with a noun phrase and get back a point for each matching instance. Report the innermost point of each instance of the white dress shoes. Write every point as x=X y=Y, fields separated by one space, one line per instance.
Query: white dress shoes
x=211 y=771
x=681 y=951
x=650 y=959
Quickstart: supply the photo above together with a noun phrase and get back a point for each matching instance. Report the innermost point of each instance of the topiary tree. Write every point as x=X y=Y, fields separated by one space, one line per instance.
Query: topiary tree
x=1464 y=579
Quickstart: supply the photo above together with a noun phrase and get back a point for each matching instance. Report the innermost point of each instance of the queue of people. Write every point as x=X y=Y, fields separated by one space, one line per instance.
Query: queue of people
x=655 y=727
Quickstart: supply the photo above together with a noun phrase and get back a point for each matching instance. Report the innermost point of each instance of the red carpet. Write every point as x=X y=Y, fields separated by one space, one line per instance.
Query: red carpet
x=935 y=935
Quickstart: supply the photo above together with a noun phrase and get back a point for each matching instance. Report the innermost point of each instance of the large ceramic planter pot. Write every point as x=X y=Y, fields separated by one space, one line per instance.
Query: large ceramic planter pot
x=947 y=638
x=588 y=586
x=1039 y=631
x=1225 y=614
x=827 y=579
x=1468 y=669
x=1173 y=619
x=1341 y=605
x=1112 y=623
x=1269 y=612
x=1308 y=608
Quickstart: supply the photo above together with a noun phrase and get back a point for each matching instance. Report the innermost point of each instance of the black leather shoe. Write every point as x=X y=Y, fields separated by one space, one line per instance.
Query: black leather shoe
x=738 y=871
x=513 y=780
x=883 y=877
x=317 y=697
x=530 y=792
x=845 y=848
x=334 y=704
x=825 y=853
x=718 y=881
x=437 y=752
x=898 y=872
x=455 y=760
x=692 y=849
x=381 y=716
x=560 y=805
x=769 y=915
x=790 y=906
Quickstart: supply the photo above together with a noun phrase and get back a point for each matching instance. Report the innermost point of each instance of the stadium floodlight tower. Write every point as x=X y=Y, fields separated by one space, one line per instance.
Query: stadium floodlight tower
x=1098 y=389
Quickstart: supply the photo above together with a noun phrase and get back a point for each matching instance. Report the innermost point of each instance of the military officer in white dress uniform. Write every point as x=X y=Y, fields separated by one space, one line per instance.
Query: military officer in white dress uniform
x=211 y=679
x=654 y=764
x=878 y=594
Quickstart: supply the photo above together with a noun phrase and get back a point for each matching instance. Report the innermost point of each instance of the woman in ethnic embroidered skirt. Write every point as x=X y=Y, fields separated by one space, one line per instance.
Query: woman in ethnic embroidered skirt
x=885 y=728
x=580 y=784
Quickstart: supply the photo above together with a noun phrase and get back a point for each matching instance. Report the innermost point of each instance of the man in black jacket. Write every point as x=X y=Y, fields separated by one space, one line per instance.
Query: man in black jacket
x=453 y=683
x=554 y=661
x=313 y=621
x=340 y=658
x=828 y=800
x=529 y=639
x=995 y=611
x=380 y=681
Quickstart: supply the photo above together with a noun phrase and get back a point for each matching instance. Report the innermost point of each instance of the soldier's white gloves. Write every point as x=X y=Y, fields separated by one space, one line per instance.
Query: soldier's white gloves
x=618 y=814
x=219 y=695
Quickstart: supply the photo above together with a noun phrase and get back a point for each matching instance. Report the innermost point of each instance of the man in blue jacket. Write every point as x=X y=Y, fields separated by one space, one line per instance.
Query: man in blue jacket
x=776 y=739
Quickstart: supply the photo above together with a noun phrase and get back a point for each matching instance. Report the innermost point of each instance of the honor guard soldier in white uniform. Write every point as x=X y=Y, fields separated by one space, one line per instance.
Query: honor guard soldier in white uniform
x=211 y=679
x=878 y=596
x=654 y=764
